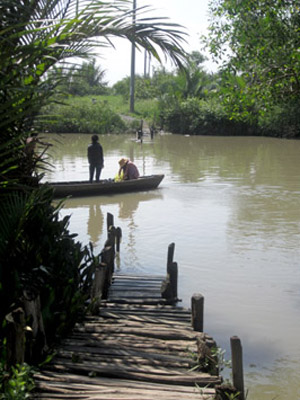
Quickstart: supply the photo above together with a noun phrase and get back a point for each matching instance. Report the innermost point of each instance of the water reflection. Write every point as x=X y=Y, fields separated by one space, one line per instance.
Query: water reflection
x=95 y=222
x=123 y=207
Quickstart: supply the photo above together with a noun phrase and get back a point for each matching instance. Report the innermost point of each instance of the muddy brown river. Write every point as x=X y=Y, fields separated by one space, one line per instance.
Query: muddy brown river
x=231 y=205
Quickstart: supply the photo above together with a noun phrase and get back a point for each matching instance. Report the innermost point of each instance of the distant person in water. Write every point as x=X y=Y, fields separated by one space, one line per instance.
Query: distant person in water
x=95 y=158
x=128 y=169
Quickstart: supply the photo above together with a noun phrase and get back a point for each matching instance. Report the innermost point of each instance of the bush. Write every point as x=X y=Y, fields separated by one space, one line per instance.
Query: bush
x=281 y=121
x=82 y=115
x=17 y=383
x=39 y=255
x=199 y=117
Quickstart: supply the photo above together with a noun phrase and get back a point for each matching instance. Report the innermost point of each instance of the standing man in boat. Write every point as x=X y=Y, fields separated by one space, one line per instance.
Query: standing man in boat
x=128 y=170
x=95 y=158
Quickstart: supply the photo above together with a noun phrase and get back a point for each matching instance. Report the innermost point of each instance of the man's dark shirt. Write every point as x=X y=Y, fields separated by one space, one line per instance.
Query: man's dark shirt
x=95 y=154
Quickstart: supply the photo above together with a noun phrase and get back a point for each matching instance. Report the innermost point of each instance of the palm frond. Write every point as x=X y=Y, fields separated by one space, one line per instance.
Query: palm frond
x=35 y=35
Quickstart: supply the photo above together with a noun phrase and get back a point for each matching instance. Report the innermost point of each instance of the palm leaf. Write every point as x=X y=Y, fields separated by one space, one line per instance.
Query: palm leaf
x=35 y=35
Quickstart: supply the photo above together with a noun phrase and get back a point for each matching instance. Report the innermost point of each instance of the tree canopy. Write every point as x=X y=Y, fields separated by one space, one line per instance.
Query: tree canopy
x=259 y=43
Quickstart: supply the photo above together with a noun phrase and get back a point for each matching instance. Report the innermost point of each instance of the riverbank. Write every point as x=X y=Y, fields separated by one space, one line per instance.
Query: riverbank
x=110 y=115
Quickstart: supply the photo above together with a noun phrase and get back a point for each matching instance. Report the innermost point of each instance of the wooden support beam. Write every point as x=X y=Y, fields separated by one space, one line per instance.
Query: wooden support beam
x=109 y=221
x=237 y=366
x=98 y=287
x=108 y=259
x=118 y=235
x=111 y=237
x=171 y=249
x=173 y=273
x=197 y=305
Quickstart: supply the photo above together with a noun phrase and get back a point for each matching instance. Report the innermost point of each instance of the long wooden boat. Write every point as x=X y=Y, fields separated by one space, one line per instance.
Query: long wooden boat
x=105 y=186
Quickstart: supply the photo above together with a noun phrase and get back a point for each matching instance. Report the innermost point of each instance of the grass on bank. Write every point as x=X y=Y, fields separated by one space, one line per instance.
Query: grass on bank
x=107 y=114
x=97 y=114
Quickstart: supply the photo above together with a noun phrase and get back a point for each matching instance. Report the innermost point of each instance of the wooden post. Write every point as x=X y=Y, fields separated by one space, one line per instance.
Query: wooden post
x=98 y=287
x=197 y=312
x=171 y=249
x=111 y=237
x=15 y=337
x=36 y=343
x=107 y=259
x=118 y=234
x=237 y=365
x=173 y=274
x=109 y=221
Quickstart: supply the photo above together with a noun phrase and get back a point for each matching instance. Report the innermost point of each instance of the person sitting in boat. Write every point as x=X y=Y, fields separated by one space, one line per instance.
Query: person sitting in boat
x=128 y=169
x=95 y=158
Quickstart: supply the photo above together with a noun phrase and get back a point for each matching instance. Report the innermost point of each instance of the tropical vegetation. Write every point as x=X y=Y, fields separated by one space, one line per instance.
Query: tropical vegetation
x=257 y=44
x=86 y=114
x=39 y=259
x=184 y=101
x=255 y=91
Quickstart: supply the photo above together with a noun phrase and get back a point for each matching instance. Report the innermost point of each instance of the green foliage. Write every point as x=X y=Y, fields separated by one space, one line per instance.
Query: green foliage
x=148 y=109
x=200 y=117
x=39 y=255
x=258 y=43
x=173 y=95
x=122 y=88
x=165 y=83
x=213 y=362
x=81 y=80
x=144 y=89
x=232 y=396
x=17 y=383
x=281 y=121
x=82 y=115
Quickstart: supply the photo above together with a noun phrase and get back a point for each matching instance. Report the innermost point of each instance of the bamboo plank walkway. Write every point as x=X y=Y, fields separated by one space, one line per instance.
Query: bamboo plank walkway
x=138 y=347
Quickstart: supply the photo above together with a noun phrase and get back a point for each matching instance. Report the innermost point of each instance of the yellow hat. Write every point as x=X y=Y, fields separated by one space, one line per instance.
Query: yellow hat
x=123 y=161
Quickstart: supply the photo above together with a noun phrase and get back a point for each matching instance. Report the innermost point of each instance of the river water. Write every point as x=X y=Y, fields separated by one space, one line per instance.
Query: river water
x=231 y=205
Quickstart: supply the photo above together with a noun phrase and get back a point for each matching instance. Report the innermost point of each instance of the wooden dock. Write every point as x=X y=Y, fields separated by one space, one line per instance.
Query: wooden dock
x=137 y=346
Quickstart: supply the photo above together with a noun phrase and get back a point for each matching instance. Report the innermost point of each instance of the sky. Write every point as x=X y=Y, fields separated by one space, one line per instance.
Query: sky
x=192 y=14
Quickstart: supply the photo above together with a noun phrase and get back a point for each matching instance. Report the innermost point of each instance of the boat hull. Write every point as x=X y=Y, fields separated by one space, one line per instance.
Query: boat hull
x=104 y=187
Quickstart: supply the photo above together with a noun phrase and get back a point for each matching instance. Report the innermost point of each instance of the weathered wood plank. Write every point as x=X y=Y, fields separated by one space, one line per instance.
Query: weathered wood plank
x=183 y=358
x=100 y=386
x=100 y=381
x=140 y=293
x=137 y=347
x=106 y=304
x=137 y=279
x=120 y=360
x=140 y=323
x=147 y=344
x=147 y=375
x=108 y=317
x=146 y=301
x=165 y=334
